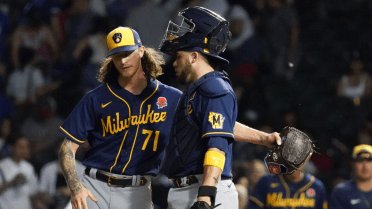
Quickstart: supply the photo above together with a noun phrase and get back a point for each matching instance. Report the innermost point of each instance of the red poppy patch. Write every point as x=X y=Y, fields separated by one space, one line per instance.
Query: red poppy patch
x=162 y=102
x=310 y=192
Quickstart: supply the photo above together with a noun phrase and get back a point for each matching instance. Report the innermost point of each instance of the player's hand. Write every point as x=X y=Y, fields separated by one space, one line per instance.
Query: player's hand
x=272 y=140
x=79 y=200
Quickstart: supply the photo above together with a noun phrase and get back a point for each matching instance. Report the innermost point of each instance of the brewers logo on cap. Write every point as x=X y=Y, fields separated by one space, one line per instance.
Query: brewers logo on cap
x=117 y=37
x=122 y=39
x=362 y=151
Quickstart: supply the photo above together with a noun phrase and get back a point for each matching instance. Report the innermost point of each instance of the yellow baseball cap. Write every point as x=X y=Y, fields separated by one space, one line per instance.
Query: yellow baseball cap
x=362 y=151
x=122 y=39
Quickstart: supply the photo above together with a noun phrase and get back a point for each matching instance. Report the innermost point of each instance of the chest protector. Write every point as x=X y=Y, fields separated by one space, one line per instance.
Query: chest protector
x=185 y=133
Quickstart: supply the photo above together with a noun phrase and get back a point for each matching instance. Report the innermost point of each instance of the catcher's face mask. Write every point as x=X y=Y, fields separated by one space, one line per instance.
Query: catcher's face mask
x=175 y=31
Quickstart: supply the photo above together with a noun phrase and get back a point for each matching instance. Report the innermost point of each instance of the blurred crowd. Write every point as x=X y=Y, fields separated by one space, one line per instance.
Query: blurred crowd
x=305 y=62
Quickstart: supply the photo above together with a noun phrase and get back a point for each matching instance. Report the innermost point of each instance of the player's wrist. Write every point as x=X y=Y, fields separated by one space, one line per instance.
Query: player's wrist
x=207 y=194
x=205 y=199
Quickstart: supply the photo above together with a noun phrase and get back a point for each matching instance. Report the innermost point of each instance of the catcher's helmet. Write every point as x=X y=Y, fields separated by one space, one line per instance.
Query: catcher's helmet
x=201 y=30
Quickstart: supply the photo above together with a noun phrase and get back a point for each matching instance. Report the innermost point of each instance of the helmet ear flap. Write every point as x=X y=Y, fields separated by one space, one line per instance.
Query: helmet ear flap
x=219 y=38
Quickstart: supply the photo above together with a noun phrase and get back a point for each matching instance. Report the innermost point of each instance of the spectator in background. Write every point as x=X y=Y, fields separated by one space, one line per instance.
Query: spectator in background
x=242 y=195
x=6 y=105
x=18 y=181
x=6 y=130
x=249 y=88
x=79 y=22
x=282 y=33
x=33 y=34
x=89 y=52
x=25 y=83
x=4 y=31
x=221 y=7
x=240 y=48
x=156 y=22
x=117 y=10
x=357 y=192
x=41 y=128
x=255 y=171
x=296 y=190
x=356 y=84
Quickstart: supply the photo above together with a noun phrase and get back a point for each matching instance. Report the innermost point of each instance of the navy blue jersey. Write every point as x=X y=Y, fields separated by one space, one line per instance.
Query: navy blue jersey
x=212 y=107
x=127 y=133
x=272 y=191
x=347 y=195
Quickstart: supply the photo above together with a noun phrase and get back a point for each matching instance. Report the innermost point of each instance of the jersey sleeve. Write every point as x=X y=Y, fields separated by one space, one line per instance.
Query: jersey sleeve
x=219 y=116
x=221 y=143
x=80 y=121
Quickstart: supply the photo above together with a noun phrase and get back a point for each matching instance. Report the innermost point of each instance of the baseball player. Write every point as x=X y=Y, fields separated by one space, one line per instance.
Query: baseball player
x=356 y=193
x=198 y=157
x=126 y=121
x=296 y=190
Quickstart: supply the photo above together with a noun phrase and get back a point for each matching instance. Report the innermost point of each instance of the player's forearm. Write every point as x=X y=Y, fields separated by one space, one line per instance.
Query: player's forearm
x=211 y=176
x=244 y=133
x=68 y=164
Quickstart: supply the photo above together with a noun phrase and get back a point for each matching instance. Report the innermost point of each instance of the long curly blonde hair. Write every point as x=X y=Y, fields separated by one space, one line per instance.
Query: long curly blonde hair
x=151 y=64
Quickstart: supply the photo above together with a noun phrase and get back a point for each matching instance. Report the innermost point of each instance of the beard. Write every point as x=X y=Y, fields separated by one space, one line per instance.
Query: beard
x=184 y=76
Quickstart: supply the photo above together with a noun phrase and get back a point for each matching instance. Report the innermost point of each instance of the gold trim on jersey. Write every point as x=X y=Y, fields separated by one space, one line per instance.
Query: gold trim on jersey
x=117 y=156
x=218 y=133
x=120 y=99
x=287 y=190
x=312 y=179
x=103 y=134
x=135 y=138
x=258 y=202
x=70 y=135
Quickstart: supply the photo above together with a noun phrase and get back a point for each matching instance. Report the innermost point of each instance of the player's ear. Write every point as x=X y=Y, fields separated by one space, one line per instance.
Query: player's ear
x=193 y=57
x=141 y=50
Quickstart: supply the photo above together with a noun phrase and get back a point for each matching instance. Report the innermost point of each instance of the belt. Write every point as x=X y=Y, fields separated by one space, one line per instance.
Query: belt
x=187 y=181
x=184 y=181
x=116 y=181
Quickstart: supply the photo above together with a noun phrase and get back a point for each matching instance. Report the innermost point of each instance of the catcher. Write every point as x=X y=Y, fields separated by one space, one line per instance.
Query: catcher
x=293 y=188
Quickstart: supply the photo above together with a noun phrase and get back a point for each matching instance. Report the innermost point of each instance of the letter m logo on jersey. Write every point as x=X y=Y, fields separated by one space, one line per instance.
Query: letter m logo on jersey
x=216 y=119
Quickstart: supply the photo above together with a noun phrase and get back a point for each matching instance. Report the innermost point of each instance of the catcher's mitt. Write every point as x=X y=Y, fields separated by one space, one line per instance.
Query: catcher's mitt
x=295 y=150
x=202 y=205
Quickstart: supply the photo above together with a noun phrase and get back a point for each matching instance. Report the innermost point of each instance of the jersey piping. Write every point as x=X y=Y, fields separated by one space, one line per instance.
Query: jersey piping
x=287 y=190
x=259 y=203
x=312 y=179
x=130 y=115
x=117 y=156
x=70 y=135
x=135 y=138
x=218 y=133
